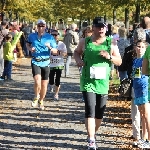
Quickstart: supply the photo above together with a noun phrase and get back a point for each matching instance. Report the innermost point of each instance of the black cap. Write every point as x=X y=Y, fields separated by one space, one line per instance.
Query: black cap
x=99 y=22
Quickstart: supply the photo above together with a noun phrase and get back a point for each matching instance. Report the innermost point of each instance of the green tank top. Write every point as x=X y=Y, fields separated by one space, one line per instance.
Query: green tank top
x=96 y=69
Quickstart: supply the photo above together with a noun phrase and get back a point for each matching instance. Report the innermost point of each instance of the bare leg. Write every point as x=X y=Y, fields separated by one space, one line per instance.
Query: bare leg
x=57 y=89
x=146 y=115
x=43 y=91
x=37 y=85
x=144 y=130
x=90 y=127
x=97 y=124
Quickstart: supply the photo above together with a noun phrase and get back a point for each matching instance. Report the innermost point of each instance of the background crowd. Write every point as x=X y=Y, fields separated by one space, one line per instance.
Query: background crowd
x=132 y=44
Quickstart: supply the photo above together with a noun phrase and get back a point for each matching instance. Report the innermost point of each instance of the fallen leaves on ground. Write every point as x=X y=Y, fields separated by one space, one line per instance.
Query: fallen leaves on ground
x=119 y=110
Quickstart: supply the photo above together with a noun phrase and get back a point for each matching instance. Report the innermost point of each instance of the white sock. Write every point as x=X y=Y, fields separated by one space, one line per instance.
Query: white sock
x=92 y=139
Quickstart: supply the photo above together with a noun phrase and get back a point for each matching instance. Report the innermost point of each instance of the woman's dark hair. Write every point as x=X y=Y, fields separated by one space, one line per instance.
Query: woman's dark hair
x=144 y=41
x=109 y=27
x=135 y=26
x=109 y=30
x=143 y=25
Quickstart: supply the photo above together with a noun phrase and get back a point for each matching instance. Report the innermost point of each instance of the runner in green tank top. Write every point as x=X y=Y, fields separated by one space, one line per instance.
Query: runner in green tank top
x=98 y=53
x=87 y=81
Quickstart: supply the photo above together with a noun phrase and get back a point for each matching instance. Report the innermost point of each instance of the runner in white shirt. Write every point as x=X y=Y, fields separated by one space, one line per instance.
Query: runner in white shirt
x=57 y=64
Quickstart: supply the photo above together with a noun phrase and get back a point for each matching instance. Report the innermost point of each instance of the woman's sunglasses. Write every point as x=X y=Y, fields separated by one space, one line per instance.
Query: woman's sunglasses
x=41 y=25
x=54 y=34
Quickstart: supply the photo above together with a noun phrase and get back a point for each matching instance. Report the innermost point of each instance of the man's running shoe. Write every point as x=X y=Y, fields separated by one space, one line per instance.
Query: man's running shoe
x=92 y=145
x=144 y=145
x=41 y=106
x=56 y=98
x=35 y=102
x=139 y=142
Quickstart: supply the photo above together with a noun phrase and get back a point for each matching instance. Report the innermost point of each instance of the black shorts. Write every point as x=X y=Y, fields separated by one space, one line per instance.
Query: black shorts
x=52 y=75
x=43 y=71
x=95 y=104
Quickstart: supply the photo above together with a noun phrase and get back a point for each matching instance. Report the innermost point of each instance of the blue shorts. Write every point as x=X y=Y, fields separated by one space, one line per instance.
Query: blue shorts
x=141 y=100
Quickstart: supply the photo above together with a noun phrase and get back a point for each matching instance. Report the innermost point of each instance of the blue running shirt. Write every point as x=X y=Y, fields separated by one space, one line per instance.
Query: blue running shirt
x=41 y=51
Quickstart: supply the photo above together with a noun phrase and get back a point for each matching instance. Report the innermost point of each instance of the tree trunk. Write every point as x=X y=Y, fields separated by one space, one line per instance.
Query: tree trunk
x=137 y=15
x=105 y=18
x=127 y=18
x=114 y=16
x=80 y=23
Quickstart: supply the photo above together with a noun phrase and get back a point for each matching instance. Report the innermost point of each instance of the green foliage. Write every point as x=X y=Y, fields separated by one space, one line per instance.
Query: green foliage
x=52 y=10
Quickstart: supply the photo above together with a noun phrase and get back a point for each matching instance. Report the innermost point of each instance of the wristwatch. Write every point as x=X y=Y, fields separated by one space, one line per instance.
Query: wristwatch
x=50 y=48
x=110 y=58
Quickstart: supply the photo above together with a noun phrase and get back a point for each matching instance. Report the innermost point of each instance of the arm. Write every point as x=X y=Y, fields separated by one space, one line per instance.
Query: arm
x=29 y=45
x=115 y=55
x=16 y=39
x=52 y=46
x=145 y=67
x=78 y=52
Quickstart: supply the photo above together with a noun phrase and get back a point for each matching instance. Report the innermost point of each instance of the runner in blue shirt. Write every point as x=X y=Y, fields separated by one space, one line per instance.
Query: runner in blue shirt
x=40 y=44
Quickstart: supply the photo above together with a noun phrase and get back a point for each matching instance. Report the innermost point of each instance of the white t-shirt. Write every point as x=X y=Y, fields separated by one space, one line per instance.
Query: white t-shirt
x=58 y=60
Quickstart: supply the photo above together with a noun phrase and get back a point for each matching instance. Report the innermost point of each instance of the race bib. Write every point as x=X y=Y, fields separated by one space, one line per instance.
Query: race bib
x=137 y=73
x=97 y=72
x=54 y=60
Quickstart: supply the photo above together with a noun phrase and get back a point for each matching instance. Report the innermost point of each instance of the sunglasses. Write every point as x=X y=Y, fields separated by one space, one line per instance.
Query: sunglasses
x=41 y=25
x=54 y=34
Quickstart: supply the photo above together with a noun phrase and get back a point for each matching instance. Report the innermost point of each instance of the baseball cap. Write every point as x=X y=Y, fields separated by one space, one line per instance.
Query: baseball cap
x=41 y=21
x=99 y=22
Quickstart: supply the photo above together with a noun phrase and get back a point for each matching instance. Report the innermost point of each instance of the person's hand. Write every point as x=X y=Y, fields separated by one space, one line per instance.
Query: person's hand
x=80 y=63
x=47 y=45
x=105 y=54
x=32 y=49
x=54 y=51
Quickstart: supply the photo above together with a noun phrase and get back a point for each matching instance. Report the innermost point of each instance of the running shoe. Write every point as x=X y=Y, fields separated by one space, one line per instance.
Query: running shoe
x=56 y=97
x=144 y=145
x=35 y=102
x=41 y=106
x=139 y=142
x=91 y=145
